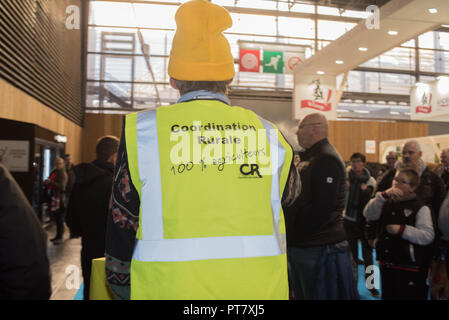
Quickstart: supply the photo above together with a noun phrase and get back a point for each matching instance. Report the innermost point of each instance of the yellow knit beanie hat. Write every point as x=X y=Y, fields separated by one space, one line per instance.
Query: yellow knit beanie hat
x=200 y=52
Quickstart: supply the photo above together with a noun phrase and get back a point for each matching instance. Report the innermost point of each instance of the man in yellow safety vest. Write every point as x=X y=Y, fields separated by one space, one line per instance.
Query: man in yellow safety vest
x=196 y=207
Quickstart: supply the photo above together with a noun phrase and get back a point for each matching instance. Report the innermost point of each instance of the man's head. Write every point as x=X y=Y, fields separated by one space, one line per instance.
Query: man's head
x=200 y=52
x=445 y=157
x=391 y=158
x=67 y=160
x=60 y=163
x=411 y=154
x=311 y=129
x=358 y=162
x=107 y=148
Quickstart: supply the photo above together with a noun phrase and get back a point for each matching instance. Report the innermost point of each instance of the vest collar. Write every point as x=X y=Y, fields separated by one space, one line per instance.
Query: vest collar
x=204 y=95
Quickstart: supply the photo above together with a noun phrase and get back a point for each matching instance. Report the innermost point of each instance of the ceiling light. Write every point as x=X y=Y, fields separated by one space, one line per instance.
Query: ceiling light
x=393 y=33
x=394 y=113
x=433 y=10
x=339 y=62
x=361 y=111
x=320 y=72
x=363 y=49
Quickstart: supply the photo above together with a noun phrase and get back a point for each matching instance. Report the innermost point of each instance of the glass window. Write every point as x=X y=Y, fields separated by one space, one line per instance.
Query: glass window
x=253 y=24
x=294 y=27
x=111 y=14
x=332 y=30
x=155 y=16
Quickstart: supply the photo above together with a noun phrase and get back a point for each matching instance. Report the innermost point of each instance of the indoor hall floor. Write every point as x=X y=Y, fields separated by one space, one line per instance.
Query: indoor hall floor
x=65 y=265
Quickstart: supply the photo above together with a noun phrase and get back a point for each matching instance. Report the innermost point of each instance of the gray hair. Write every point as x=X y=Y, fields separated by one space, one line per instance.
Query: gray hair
x=214 y=86
x=414 y=143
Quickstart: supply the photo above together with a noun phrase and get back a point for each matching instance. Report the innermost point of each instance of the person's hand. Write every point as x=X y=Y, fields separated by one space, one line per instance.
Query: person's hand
x=393 y=228
x=394 y=193
x=363 y=186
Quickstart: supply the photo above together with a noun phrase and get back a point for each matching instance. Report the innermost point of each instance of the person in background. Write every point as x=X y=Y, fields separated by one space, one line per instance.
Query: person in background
x=443 y=170
x=361 y=187
x=403 y=239
x=89 y=204
x=57 y=183
x=70 y=169
x=391 y=159
x=431 y=189
x=24 y=265
x=317 y=246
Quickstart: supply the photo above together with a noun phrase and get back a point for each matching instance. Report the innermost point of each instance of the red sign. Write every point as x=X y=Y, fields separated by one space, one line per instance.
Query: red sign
x=313 y=104
x=249 y=60
x=425 y=109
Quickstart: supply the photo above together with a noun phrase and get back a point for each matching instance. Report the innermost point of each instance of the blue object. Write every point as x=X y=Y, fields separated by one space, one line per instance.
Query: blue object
x=79 y=295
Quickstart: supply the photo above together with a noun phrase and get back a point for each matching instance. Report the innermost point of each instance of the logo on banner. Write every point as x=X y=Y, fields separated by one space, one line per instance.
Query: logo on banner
x=273 y=62
x=249 y=60
x=426 y=106
x=318 y=96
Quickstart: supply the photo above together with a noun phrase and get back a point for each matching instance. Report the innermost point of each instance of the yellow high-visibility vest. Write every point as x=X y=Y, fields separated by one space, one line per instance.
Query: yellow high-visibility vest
x=210 y=178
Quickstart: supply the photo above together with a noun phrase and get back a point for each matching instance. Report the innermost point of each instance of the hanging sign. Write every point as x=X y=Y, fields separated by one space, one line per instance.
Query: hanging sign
x=315 y=94
x=249 y=60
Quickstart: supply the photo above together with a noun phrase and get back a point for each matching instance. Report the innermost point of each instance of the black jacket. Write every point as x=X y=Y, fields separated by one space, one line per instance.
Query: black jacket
x=24 y=265
x=393 y=248
x=315 y=219
x=89 y=202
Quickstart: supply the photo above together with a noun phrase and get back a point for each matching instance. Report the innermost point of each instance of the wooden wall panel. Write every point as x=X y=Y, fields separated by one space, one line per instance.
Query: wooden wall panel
x=350 y=136
x=347 y=136
x=17 y=105
x=96 y=126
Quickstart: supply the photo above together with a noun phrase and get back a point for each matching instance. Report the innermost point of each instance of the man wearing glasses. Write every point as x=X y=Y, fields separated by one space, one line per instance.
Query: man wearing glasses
x=316 y=240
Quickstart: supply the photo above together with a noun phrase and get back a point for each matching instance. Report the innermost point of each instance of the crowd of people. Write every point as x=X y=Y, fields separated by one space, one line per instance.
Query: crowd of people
x=217 y=230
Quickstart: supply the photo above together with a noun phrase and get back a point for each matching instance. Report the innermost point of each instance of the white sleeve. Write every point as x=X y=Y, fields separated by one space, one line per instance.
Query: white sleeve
x=373 y=209
x=422 y=233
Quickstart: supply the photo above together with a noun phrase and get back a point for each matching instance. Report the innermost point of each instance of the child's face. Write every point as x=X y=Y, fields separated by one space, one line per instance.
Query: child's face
x=402 y=182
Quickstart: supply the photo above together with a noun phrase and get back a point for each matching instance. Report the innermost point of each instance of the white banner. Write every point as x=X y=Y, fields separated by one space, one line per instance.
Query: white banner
x=430 y=101
x=14 y=154
x=315 y=94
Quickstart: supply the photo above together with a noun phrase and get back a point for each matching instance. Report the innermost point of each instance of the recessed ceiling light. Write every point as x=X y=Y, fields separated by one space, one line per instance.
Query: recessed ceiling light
x=361 y=111
x=433 y=10
x=320 y=72
x=339 y=62
x=393 y=33
x=363 y=49
x=394 y=113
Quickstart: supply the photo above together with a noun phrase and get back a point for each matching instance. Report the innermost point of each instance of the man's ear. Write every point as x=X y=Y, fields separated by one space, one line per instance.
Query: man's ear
x=173 y=84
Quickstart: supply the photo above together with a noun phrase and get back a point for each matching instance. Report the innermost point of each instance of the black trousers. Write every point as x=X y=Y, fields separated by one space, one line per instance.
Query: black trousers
x=403 y=285
x=355 y=232
x=91 y=249
x=59 y=217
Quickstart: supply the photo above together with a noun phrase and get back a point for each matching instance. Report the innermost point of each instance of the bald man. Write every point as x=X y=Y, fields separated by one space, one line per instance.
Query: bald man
x=316 y=240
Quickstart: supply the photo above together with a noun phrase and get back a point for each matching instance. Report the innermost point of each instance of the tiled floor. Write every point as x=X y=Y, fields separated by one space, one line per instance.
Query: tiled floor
x=65 y=266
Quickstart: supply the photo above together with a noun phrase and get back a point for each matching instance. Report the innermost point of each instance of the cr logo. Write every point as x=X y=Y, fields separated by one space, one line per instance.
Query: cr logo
x=254 y=169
